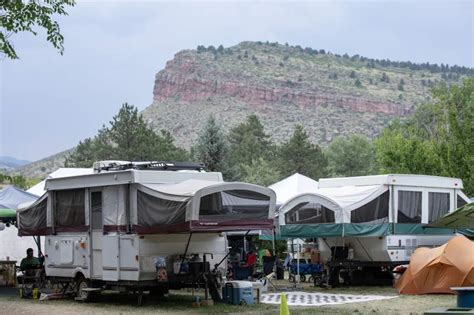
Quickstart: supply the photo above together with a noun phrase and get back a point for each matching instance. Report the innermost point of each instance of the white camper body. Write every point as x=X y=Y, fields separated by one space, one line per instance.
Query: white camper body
x=123 y=257
x=113 y=228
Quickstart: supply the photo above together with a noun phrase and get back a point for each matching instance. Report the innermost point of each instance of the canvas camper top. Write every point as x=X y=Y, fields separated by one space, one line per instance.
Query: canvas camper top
x=149 y=198
x=393 y=179
x=131 y=176
x=363 y=202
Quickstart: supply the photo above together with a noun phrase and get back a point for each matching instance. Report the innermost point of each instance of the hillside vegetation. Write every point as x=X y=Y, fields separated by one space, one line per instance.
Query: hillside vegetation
x=329 y=94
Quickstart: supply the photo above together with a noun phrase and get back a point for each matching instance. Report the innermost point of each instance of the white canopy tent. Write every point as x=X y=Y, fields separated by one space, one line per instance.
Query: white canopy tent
x=15 y=247
x=292 y=186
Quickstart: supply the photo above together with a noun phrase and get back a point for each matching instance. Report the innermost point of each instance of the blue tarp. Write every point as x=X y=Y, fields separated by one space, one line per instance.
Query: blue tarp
x=11 y=197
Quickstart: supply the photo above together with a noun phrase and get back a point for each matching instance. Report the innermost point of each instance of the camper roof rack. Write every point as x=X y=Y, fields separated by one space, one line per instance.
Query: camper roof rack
x=101 y=166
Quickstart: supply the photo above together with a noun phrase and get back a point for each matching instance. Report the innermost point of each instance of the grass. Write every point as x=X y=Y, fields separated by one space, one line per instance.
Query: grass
x=179 y=302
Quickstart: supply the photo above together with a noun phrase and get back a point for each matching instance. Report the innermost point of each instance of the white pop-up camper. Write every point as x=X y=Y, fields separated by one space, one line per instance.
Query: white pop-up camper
x=117 y=227
x=372 y=221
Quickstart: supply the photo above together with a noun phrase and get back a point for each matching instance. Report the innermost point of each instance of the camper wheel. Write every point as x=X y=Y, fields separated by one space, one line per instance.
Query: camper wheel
x=82 y=286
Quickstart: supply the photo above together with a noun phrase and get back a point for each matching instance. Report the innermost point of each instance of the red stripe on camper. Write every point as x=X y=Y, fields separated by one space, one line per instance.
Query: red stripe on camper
x=34 y=232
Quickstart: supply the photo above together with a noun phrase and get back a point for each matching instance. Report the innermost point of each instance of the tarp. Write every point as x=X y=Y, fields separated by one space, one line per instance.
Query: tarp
x=361 y=229
x=461 y=218
x=39 y=190
x=199 y=205
x=292 y=186
x=11 y=197
x=436 y=270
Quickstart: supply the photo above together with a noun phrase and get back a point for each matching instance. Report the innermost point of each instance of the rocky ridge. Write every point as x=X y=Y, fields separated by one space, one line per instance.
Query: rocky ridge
x=284 y=85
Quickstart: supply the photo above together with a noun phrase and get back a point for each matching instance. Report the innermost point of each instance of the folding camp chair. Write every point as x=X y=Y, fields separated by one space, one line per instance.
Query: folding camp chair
x=29 y=280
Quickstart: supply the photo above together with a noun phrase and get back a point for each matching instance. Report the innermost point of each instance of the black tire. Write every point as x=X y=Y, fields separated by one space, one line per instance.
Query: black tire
x=302 y=278
x=83 y=283
x=291 y=278
x=158 y=292
x=243 y=303
x=311 y=279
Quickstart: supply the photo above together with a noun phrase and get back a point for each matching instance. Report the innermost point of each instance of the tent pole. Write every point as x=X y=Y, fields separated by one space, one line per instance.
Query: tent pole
x=185 y=252
x=273 y=242
x=274 y=251
x=37 y=240
x=298 y=260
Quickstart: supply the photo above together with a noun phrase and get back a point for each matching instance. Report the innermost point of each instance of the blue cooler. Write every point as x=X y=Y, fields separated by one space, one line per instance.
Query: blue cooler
x=465 y=296
x=238 y=293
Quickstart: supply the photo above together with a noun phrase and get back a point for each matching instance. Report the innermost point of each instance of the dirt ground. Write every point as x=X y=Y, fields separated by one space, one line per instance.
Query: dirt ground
x=179 y=302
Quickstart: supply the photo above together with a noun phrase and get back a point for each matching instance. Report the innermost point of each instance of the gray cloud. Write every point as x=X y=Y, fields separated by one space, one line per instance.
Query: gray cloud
x=113 y=50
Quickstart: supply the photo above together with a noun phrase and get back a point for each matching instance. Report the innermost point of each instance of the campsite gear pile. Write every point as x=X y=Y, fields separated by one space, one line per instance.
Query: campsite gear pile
x=307 y=271
x=436 y=270
x=7 y=273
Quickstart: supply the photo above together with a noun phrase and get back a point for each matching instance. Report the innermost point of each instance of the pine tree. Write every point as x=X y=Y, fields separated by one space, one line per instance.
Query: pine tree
x=385 y=78
x=247 y=141
x=357 y=83
x=211 y=146
x=299 y=155
x=353 y=74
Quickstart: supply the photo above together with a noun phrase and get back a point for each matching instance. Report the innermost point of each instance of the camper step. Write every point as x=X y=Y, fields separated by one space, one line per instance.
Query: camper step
x=91 y=289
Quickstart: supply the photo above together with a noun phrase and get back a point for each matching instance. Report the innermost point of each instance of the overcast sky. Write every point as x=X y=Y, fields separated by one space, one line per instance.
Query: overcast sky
x=113 y=49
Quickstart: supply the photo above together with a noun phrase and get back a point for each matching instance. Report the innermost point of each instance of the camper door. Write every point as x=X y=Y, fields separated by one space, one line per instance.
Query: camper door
x=96 y=227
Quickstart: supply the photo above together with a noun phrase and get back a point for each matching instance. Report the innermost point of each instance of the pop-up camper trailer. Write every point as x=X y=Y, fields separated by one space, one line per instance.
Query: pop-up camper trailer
x=115 y=228
x=372 y=221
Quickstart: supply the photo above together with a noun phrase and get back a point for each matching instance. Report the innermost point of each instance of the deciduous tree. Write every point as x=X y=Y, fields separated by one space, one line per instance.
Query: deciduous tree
x=28 y=16
x=353 y=156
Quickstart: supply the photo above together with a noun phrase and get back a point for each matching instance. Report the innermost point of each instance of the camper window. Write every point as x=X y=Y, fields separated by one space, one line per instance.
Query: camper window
x=153 y=211
x=438 y=205
x=375 y=211
x=234 y=204
x=409 y=206
x=69 y=208
x=309 y=212
x=96 y=210
x=460 y=201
